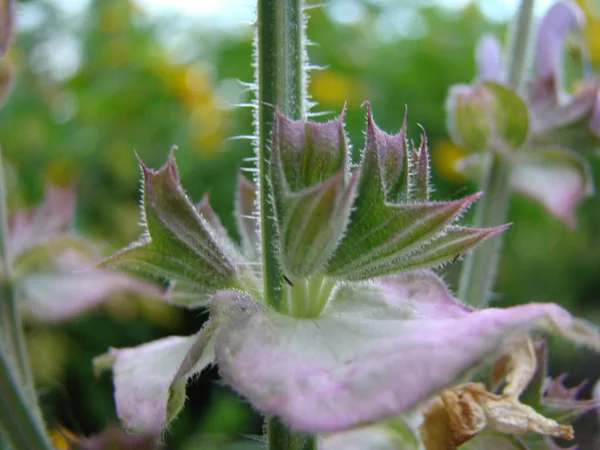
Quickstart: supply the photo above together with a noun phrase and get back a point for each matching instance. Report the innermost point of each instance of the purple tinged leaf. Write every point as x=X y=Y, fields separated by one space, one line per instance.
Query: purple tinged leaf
x=489 y=59
x=246 y=217
x=180 y=245
x=385 y=162
x=71 y=286
x=208 y=214
x=348 y=366
x=310 y=190
x=556 y=178
x=7 y=24
x=304 y=154
x=150 y=379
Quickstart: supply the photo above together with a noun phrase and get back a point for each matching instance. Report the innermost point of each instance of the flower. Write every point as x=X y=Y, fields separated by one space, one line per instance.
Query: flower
x=53 y=266
x=366 y=331
x=555 y=124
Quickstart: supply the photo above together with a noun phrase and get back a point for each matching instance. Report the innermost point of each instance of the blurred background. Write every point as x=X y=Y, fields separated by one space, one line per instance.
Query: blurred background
x=96 y=79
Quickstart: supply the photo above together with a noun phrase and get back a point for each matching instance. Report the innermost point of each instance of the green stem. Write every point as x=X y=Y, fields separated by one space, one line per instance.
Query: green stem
x=280 y=57
x=281 y=81
x=12 y=340
x=281 y=437
x=19 y=422
x=479 y=269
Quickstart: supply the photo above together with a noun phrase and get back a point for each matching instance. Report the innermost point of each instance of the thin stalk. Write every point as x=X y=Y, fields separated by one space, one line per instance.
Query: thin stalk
x=479 y=269
x=280 y=61
x=20 y=425
x=280 y=437
x=280 y=64
x=12 y=340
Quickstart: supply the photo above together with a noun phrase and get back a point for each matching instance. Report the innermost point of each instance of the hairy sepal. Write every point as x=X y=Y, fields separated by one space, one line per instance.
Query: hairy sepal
x=179 y=245
x=310 y=190
x=380 y=234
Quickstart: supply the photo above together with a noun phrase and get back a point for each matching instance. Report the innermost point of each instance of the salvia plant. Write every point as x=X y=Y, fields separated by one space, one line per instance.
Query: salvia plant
x=326 y=316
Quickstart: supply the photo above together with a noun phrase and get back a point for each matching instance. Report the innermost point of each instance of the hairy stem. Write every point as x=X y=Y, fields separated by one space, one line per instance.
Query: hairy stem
x=19 y=423
x=280 y=56
x=280 y=64
x=479 y=269
x=280 y=437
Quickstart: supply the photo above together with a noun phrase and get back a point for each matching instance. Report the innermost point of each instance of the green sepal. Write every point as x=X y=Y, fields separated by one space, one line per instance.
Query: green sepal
x=381 y=234
x=311 y=191
x=487 y=115
x=179 y=244
x=391 y=218
x=445 y=248
x=304 y=153
x=313 y=223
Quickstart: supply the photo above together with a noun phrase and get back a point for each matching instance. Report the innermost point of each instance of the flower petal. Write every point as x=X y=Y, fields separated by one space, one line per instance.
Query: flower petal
x=150 y=379
x=67 y=289
x=33 y=227
x=337 y=371
x=489 y=59
x=558 y=179
x=559 y=20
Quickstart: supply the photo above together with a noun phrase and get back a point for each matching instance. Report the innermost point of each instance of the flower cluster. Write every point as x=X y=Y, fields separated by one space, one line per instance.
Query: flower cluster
x=550 y=122
x=367 y=331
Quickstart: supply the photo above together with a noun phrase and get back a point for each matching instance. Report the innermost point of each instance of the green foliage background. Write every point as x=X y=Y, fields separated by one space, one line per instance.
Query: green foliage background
x=127 y=81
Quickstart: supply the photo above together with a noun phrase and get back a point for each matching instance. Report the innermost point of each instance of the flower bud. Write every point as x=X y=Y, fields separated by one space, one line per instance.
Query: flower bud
x=486 y=115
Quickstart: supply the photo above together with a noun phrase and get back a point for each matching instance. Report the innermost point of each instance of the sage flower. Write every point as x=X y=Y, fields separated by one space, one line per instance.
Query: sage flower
x=548 y=128
x=367 y=331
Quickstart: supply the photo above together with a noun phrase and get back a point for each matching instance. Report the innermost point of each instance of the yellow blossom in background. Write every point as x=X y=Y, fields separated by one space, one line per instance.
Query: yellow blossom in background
x=192 y=85
x=444 y=157
x=591 y=8
x=61 y=437
x=60 y=171
x=329 y=87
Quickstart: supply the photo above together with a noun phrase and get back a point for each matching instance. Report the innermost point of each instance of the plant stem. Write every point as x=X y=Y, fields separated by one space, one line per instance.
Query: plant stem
x=479 y=270
x=12 y=340
x=19 y=422
x=280 y=64
x=280 y=57
x=280 y=437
